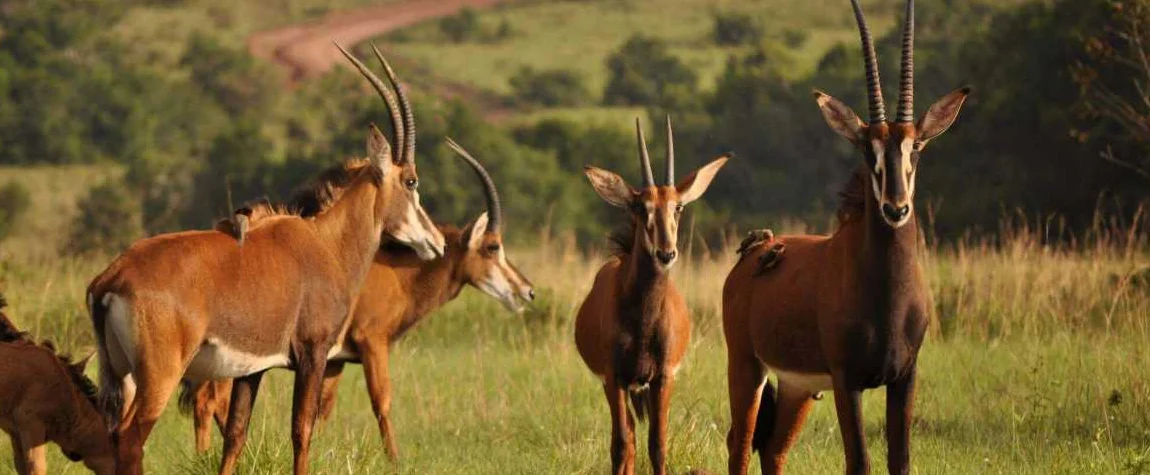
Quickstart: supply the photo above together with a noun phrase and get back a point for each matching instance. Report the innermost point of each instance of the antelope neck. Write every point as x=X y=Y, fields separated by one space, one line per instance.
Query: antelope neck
x=353 y=232
x=439 y=281
x=643 y=285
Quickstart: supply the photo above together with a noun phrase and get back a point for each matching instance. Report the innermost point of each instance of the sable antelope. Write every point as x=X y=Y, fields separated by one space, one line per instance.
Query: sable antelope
x=45 y=397
x=196 y=305
x=633 y=328
x=399 y=292
x=845 y=312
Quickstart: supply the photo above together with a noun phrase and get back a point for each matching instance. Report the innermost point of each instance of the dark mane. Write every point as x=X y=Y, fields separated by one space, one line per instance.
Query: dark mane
x=311 y=198
x=318 y=193
x=620 y=240
x=852 y=198
x=10 y=334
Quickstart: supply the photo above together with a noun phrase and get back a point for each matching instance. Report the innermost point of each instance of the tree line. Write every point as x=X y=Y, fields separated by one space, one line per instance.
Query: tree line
x=1057 y=123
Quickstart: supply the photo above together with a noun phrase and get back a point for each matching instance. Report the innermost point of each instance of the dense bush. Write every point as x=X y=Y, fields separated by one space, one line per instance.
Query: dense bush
x=461 y=27
x=109 y=220
x=644 y=72
x=552 y=88
x=15 y=199
x=736 y=28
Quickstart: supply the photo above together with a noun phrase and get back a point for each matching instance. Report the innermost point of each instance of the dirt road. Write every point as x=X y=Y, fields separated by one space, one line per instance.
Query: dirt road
x=306 y=49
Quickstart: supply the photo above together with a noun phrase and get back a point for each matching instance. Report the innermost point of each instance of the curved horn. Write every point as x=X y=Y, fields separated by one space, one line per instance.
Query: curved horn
x=644 y=157
x=670 y=154
x=408 y=146
x=377 y=84
x=874 y=89
x=906 y=73
x=494 y=207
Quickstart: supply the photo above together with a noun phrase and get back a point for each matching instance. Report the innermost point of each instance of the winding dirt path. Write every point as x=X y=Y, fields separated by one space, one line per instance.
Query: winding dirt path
x=306 y=50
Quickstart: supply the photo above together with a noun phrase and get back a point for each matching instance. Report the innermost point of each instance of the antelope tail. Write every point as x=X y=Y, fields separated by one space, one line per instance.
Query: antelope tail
x=188 y=392
x=765 y=420
x=111 y=395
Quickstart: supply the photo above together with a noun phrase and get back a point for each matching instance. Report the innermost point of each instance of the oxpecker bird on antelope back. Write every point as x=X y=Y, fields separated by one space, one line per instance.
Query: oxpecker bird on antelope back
x=400 y=291
x=845 y=312
x=196 y=305
x=633 y=328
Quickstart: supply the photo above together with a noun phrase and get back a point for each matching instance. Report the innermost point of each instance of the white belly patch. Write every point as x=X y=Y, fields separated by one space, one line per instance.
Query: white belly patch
x=216 y=360
x=812 y=382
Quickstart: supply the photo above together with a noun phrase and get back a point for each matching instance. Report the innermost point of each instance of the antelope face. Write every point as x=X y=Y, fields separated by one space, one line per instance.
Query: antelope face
x=655 y=210
x=404 y=219
x=485 y=266
x=891 y=151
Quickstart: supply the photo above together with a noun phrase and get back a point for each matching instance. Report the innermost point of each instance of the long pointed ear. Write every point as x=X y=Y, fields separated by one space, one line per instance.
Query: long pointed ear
x=841 y=118
x=941 y=115
x=693 y=186
x=378 y=150
x=475 y=234
x=611 y=187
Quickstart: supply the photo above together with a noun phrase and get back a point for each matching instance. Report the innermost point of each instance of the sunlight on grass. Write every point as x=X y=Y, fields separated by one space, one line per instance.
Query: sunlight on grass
x=1036 y=364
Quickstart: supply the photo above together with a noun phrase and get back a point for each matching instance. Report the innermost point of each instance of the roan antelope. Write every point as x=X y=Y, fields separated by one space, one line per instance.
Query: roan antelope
x=195 y=305
x=399 y=292
x=845 y=312
x=633 y=328
x=44 y=397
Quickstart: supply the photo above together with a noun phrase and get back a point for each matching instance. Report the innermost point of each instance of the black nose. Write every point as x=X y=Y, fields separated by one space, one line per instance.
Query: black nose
x=895 y=214
x=531 y=294
x=666 y=256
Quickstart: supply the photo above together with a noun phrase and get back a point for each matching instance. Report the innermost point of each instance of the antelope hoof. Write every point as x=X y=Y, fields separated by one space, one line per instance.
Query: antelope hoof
x=817 y=396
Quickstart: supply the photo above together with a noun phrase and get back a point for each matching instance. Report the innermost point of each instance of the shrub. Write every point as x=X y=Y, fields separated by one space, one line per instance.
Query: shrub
x=108 y=221
x=461 y=27
x=551 y=88
x=15 y=199
x=644 y=72
x=734 y=28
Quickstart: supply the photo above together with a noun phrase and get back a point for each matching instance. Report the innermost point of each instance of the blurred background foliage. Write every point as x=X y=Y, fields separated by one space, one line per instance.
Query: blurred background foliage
x=167 y=92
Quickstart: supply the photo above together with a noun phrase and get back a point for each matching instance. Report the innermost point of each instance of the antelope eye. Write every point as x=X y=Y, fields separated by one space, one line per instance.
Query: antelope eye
x=492 y=248
x=411 y=183
x=679 y=208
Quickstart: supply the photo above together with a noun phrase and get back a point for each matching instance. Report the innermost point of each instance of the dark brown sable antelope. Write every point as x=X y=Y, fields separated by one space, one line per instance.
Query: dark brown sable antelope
x=197 y=306
x=44 y=397
x=399 y=292
x=633 y=328
x=845 y=312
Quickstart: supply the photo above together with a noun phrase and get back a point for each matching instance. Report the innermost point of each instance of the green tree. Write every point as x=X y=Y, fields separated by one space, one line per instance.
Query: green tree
x=553 y=88
x=109 y=220
x=644 y=72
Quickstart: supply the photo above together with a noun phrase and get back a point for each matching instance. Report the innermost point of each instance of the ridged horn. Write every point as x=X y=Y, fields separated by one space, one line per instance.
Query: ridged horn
x=644 y=156
x=874 y=88
x=670 y=153
x=408 y=115
x=905 y=113
x=494 y=207
x=385 y=93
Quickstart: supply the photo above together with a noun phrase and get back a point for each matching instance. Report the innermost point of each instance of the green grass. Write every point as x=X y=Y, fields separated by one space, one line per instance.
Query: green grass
x=479 y=390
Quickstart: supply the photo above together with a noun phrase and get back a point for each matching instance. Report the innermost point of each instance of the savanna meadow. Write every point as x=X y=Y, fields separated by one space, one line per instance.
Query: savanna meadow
x=430 y=236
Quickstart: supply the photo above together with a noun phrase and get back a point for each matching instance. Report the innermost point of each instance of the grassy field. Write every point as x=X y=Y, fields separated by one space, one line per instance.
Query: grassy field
x=1037 y=364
